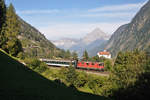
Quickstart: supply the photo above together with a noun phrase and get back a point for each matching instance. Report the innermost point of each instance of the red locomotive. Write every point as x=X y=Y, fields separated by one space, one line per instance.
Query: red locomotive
x=90 y=65
x=75 y=63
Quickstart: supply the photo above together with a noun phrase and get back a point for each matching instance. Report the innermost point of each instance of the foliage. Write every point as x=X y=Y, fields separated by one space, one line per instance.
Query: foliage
x=108 y=65
x=85 y=56
x=82 y=80
x=129 y=77
x=13 y=47
x=71 y=76
x=2 y=21
x=63 y=73
x=96 y=84
x=9 y=32
x=128 y=66
x=21 y=55
x=74 y=56
x=35 y=64
x=67 y=55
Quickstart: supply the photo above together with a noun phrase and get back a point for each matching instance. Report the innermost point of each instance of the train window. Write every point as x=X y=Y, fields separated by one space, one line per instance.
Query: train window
x=67 y=63
x=101 y=64
x=87 y=63
x=92 y=63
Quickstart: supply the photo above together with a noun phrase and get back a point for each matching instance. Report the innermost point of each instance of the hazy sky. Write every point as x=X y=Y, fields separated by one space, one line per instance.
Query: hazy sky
x=74 y=18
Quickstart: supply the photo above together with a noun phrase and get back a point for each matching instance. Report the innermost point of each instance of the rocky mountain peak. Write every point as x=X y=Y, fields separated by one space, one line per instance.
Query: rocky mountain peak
x=94 y=35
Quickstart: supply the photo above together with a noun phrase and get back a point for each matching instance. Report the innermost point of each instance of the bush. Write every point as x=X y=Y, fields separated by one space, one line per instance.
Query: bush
x=21 y=55
x=96 y=84
x=108 y=65
x=36 y=64
x=82 y=79
x=71 y=75
x=63 y=73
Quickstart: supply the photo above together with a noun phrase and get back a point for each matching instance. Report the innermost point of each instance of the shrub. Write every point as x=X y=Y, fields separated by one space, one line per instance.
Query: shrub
x=36 y=64
x=82 y=79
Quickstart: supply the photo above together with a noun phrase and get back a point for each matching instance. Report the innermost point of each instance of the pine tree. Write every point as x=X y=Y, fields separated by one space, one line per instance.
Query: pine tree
x=13 y=45
x=85 y=56
x=68 y=54
x=71 y=75
x=2 y=21
x=12 y=29
x=75 y=55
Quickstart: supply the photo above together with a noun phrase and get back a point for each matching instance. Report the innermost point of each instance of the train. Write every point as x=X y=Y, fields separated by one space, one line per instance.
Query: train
x=75 y=63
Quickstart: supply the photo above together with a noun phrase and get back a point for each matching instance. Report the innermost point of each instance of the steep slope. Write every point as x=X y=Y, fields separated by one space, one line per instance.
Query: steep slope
x=18 y=82
x=35 y=43
x=133 y=35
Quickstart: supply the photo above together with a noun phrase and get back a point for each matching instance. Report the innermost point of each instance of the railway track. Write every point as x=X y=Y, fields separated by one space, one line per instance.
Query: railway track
x=86 y=71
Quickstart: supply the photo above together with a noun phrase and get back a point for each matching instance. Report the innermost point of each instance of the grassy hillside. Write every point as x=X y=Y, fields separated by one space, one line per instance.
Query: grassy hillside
x=20 y=83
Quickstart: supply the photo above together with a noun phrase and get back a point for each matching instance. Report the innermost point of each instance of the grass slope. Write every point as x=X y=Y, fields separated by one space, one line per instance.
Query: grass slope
x=17 y=82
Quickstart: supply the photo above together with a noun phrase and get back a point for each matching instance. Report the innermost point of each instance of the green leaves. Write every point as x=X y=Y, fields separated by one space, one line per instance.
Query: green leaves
x=2 y=21
x=71 y=76
x=85 y=56
x=128 y=66
x=10 y=31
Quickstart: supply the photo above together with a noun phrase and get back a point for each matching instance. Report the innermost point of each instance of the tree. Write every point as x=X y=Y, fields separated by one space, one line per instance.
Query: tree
x=67 y=54
x=108 y=65
x=12 y=23
x=11 y=30
x=75 y=55
x=71 y=76
x=85 y=56
x=128 y=67
x=95 y=59
x=131 y=74
x=2 y=21
x=2 y=13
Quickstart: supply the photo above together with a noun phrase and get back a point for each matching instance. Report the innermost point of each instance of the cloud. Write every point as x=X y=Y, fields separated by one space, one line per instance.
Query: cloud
x=76 y=30
x=110 y=15
x=125 y=7
x=39 y=11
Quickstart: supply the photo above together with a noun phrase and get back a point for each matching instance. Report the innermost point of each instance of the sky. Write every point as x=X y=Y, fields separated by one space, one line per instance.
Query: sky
x=58 y=19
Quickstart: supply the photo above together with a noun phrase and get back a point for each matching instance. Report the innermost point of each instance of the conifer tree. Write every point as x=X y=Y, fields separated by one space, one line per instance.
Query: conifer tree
x=2 y=21
x=75 y=55
x=12 y=29
x=68 y=54
x=85 y=56
x=12 y=45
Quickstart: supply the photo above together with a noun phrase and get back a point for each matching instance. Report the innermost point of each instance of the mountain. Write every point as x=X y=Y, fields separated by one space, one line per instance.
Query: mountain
x=34 y=43
x=96 y=34
x=90 y=41
x=135 y=35
x=65 y=43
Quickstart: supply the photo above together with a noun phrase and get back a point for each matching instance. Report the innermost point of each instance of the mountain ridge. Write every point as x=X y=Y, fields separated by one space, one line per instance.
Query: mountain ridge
x=136 y=35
